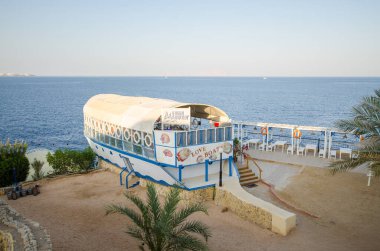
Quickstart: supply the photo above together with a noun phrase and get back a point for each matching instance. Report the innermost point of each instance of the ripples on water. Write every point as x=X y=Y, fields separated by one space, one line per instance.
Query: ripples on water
x=47 y=111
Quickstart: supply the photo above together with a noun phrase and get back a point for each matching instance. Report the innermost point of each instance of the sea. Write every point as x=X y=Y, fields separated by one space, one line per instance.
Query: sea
x=47 y=112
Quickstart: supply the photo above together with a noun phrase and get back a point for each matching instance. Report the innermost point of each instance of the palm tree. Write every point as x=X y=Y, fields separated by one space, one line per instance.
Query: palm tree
x=365 y=123
x=163 y=227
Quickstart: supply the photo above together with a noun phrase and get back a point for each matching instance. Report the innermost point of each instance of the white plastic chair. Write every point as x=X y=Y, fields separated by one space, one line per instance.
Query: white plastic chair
x=333 y=154
x=262 y=147
x=290 y=149
x=301 y=150
x=270 y=147
x=321 y=153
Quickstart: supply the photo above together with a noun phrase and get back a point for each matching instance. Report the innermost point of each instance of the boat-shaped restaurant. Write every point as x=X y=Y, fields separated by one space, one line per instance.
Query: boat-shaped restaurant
x=164 y=141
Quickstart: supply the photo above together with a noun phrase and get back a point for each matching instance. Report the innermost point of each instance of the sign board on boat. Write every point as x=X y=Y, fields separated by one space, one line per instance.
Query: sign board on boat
x=199 y=153
x=176 y=116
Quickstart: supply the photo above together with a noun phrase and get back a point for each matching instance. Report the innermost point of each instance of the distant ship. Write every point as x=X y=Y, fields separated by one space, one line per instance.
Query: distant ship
x=16 y=75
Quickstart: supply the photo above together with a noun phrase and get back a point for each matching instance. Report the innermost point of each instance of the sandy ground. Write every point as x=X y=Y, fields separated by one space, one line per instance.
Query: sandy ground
x=73 y=211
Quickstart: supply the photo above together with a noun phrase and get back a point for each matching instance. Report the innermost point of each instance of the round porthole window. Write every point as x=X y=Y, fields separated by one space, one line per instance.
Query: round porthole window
x=127 y=134
x=148 y=140
x=136 y=137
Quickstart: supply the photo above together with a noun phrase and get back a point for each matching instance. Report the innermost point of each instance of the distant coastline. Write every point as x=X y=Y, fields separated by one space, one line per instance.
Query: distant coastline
x=16 y=75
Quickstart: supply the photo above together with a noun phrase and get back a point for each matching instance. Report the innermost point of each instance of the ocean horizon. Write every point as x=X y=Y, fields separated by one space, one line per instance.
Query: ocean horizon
x=46 y=111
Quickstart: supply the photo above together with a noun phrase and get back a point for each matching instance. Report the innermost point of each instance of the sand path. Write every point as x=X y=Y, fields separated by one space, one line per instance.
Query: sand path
x=72 y=210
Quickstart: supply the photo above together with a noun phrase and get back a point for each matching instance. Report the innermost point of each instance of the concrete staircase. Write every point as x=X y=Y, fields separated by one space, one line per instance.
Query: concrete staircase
x=247 y=176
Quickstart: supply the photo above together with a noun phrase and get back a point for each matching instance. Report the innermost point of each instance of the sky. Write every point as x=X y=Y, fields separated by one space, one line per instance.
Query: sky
x=190 y=38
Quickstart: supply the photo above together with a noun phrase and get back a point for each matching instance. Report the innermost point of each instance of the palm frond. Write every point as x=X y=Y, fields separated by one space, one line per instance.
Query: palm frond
x=366 y=117
x=377 y=92
x=147 y=217
x=153 y=202
x=134 y=216
x=138 y=202
x=372 y=102
x=365 y=121
x=196 y=227
x=186 y=242
x=136 y=232
x=345 y=165
x=171 y=203
x=180 y=216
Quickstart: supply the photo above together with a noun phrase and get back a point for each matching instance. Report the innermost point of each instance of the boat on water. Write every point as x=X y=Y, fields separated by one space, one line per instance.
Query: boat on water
x=165 y=141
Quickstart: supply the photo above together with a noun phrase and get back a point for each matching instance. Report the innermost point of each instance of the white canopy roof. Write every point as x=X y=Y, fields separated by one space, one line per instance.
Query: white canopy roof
x=140 y=113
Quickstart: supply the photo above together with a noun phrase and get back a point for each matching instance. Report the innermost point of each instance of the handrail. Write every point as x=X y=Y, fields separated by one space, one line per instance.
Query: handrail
x=249 y=158
x=236 y=169
x=121 y=175
x=126 y=178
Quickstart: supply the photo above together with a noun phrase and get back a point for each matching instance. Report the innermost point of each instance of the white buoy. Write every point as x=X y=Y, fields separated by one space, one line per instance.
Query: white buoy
x=370 y=174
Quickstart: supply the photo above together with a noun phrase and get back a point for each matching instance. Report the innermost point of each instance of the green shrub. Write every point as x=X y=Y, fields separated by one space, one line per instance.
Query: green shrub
x=237 y=149
x=64 y=161
x=13 y=156
x=37 y=167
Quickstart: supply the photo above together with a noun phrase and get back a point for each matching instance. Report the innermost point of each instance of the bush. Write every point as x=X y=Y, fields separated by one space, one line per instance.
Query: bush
x=237 y=149
x=12 y=156
x=65 y=161
x=37 y=167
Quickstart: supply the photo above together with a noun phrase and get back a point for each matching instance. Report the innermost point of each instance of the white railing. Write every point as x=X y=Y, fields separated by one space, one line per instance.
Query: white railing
x=203 y=136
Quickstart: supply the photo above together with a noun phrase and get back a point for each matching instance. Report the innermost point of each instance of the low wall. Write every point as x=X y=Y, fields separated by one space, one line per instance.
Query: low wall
x=196 y=196
x=256 y=210
x=244 y=210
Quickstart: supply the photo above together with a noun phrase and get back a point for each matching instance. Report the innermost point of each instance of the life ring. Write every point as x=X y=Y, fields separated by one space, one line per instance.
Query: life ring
x=297 y=134
x=148 y=140
x=264 y=131
x=127 y=134
x=136 y=137
x=118 y=132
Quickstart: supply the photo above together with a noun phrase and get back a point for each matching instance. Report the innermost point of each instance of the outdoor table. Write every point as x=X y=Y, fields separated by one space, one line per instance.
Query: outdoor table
x=254 y=142
x=345 y=150
x=280 y=143
x=311 y=147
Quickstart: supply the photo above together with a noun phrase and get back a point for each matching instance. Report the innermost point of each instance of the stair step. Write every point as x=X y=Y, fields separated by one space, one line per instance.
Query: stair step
x=245 y=171
x=247 y=174
x=245 y=168
x=250 y=182
x=248 y=178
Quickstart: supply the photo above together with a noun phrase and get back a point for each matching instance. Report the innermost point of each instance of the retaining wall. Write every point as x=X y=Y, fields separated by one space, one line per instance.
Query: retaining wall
x=254 y=209
x=196 y=196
